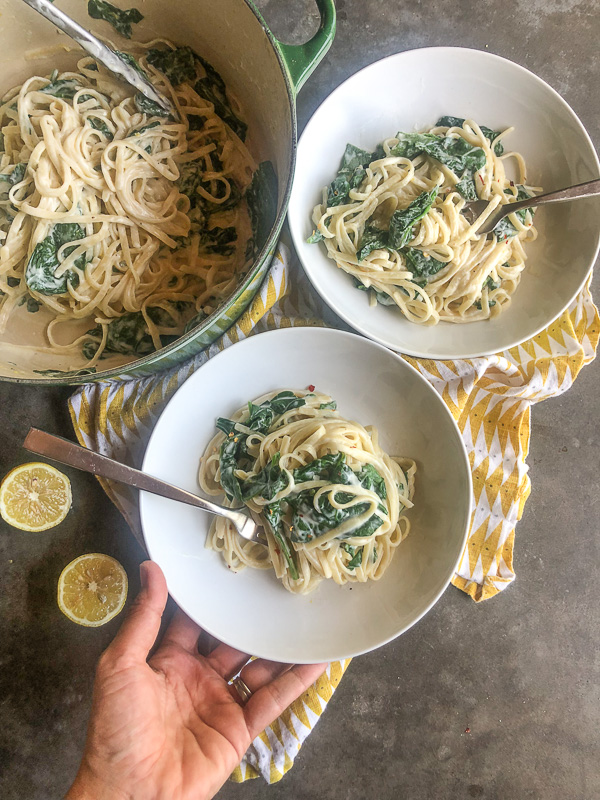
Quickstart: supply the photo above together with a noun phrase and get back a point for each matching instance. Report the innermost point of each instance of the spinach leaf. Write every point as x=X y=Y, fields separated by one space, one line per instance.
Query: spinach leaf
x=505 y=229
x=458 y=122
x=101 y=126
x=382 y=298
x=177 y=65
x=455 y=153
x=233 y=448
x=33 y=305
x=13 y=281
x=146 y=106
x=332 y=406
x=131 y=60
x=372 y=480
x=261 y=199
x=403 y=222
x=316 y=236
x=267 y=483
x=144 y=128
x=273 y=515
x=212 y=88
x=65 y=89
x=372 y=239
x=350 y=175
x=40 y=271
x=356 y=553
x=129 y=334
x=228 y=462
x=421 y=265
x=219 y=240
x=18 y=173
x=308 y=522
x=120 y=19
x=354 y=157
x=466 y=187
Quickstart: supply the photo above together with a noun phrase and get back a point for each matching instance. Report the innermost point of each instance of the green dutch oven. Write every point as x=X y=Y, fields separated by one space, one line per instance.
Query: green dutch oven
x=264 y=74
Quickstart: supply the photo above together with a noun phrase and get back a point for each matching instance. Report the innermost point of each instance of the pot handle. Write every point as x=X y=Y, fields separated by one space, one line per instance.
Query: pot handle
x=302 y=59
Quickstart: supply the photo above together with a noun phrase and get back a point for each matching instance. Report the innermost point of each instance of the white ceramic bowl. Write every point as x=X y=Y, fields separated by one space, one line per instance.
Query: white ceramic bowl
x=410 y=91
x=250 y=610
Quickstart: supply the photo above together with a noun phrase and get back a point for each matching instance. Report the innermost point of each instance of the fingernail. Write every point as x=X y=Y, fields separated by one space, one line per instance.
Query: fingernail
x=144 y=574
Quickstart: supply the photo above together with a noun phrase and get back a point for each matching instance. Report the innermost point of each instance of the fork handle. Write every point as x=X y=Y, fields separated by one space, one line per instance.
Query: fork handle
x=587 y=189
x=66 y=452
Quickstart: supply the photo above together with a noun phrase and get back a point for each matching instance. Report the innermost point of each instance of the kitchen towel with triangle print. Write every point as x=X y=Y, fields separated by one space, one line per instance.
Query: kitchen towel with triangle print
x=490 y=398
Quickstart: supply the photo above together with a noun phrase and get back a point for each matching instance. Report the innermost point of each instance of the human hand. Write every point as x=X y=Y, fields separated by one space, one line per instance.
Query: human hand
x=171 y=728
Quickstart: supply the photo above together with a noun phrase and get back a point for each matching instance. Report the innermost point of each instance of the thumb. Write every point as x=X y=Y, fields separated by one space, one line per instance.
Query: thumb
x=138 y=632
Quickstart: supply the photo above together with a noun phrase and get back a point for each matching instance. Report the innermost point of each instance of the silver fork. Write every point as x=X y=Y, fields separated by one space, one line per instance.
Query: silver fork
x=473 y=210
x=65 y=452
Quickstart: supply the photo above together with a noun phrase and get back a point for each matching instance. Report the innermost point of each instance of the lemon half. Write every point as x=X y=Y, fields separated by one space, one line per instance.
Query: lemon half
x=92 y=589
x=35 y=497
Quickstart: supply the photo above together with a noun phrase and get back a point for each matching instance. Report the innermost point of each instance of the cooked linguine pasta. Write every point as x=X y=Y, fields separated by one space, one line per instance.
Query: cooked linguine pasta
x=115 y=215
x=392 y=220
x=330 y=501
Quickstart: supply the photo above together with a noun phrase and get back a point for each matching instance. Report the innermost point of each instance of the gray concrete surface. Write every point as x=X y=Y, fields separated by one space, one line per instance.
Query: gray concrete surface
x=520 y=671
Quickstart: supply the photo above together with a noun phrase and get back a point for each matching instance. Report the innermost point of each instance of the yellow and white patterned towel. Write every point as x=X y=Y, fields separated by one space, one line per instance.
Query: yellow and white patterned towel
x=490 y=399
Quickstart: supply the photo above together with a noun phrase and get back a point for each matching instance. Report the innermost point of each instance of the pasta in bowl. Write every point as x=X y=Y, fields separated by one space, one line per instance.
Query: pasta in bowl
x=330 y=501
x=543 y=260
x=402 y=571
x=393 y=220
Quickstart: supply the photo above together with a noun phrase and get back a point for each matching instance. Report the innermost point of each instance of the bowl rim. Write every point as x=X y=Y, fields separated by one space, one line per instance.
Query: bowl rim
x=327 y=333
x=267 y=251
x=297 y=239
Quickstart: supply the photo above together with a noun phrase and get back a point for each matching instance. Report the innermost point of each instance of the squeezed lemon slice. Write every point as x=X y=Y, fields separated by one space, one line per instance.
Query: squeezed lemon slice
x=35 y=497
x=92 y=589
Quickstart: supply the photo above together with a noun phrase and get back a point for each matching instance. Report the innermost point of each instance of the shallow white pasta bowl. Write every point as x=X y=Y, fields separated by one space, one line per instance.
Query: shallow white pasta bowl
x=409 y=91
x=251 y=610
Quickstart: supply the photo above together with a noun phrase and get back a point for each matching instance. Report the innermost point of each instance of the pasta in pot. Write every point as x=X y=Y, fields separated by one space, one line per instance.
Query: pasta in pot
x=392 y=220
x=330 y=501
x=115 y=214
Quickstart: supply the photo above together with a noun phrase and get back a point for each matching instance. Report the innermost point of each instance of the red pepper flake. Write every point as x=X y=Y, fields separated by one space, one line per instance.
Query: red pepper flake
x=311 y=388
x=278 y=551
x=481 y=179
x=467 y=730
x=512 y=183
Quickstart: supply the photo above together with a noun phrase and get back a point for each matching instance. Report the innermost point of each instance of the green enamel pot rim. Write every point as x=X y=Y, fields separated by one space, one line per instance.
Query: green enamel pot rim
x=297 y=62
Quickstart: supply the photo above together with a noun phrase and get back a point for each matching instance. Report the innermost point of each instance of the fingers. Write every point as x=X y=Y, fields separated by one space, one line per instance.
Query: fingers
x=269 y=701
x=226 y=660
x=138 y=632
x=182 y=632
x=258 y=673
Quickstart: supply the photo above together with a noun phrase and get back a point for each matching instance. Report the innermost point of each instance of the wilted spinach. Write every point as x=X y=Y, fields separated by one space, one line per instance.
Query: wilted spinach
x=421 y=265
x=131 y=60
x=120 y=19
x=219 y=240
x=40 y=271
x=505 y=229
x=212 y=88
x=101 y=126
x=458 y=122
x=350 y=174
x=403 y=222
x=65 y=89
x=146 y=106
x=177 y=65
x=454 y=152
x=18 y=173
x=261 y=199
